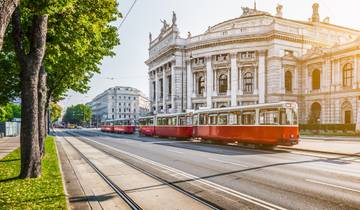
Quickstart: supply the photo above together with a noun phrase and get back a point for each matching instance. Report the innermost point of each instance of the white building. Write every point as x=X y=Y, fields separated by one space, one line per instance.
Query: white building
x=259 y=58
x=119 y=103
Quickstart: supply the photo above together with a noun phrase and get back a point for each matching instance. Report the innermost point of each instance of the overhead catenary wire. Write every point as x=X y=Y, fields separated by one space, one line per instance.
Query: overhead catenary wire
x=127 y=14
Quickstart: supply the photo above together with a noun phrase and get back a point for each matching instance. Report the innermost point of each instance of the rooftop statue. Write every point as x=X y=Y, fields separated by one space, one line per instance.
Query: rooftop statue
x=279 y=8
x=174 y=19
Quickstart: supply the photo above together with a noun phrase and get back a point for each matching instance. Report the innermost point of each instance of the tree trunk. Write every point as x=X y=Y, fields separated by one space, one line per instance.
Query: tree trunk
x=30 y=67
x=42 y=109
x=7 y=7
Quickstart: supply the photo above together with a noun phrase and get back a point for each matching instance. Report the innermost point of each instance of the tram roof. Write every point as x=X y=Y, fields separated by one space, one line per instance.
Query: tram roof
x=253 y=106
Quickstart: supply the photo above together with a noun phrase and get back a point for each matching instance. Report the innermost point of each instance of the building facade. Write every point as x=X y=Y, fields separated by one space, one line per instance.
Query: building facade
x=259 y=58
x=119 y=103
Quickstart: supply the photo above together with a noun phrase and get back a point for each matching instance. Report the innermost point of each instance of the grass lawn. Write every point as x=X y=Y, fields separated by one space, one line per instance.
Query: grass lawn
x=45 y=192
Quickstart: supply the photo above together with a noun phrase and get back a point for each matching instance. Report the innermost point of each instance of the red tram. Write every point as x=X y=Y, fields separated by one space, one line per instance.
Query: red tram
x=146 y=126
x=107 y=126
x=119 y=126
x=264 y=124
x=124 y=126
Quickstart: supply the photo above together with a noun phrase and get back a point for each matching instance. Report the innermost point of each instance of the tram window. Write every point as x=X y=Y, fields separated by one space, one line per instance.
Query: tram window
x=195 y=119
x=288 y=117
x=283 y=117
x=182 y=120
x=159 y=121
x=238 y=118
x=269 y=117
x=188 y=120
x=248 y=118
x=202 y=119
x=150 y=122
x=223 y=119
x=212 y=119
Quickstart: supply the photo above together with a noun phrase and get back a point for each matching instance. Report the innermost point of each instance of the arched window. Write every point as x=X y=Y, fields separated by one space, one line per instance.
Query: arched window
x=248 y=82
x=316 y=79
x=346 y=110
x=347 y=75
x=201 y=86
x=223 y=80
x=288 y=81
x=315 y=112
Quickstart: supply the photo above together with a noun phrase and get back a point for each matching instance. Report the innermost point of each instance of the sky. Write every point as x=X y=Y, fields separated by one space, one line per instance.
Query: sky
x=127 y=67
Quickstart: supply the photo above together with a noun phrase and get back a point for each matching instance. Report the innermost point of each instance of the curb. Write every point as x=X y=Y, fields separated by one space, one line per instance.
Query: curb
x=61 y=171
x=323 y=152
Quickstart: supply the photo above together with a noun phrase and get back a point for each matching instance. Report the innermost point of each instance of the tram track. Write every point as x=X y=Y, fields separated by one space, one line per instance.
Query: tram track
x=247 y=198
x=132 y=204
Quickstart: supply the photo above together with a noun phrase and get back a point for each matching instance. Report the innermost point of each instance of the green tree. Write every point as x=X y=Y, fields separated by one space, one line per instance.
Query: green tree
x=2 y=114
x=78 y=35
x=55 y=112
x=79 y=114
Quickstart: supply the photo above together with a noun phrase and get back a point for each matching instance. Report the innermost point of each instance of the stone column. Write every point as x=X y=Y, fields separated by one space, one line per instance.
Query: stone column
x=214 y=81
x=306 y=78
x=209 y=82
x=355 y=70
x=358 y=71
x=261 y=76
x=156 y=91
x=282 y=79
x=323 y=77
x=194 y=89
x=234 y=80
x=189 y=85
x=339 y=77
x=172 y=88
x=164 y=89
x=295 y=81
x=228 y=92
x=240 y=86
x=358 y=115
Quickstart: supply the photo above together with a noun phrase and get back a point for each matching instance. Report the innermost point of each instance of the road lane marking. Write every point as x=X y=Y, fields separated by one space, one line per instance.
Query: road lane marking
x=227 y=190
x=332 y=185
x=227 y=162
x=170 y=150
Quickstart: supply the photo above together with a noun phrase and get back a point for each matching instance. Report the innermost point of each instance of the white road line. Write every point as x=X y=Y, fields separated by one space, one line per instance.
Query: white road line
x=222 y=161
x=170 y=150
x=332 y=185
x=227 y=190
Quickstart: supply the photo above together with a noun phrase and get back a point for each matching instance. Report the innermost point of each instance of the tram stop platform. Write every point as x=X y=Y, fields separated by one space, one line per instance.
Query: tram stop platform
x=85 y=189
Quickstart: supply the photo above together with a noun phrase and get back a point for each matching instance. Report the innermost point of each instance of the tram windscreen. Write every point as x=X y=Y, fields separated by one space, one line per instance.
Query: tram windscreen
x=288 y=116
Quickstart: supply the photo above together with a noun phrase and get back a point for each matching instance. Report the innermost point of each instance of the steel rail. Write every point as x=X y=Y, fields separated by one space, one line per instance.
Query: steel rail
x=158 y=178
x=132 y=204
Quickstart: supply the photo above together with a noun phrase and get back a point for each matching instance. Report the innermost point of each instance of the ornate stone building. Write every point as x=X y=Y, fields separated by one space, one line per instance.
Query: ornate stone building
x=259 y=58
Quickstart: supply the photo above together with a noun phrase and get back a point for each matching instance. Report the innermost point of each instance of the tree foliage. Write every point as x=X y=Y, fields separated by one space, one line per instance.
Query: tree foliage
x=55 y=112
x=80 y=35
x=79 y=114
x=9 y=112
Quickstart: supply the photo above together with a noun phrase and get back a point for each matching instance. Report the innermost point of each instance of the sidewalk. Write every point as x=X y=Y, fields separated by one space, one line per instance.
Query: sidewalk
x=146 y=191
x=325 y=146
x=332 y=138
x=8 y=144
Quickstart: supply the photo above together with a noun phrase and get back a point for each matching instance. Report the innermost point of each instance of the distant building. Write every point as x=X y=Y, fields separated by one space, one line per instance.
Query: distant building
x=119 y=103
x=259 y=58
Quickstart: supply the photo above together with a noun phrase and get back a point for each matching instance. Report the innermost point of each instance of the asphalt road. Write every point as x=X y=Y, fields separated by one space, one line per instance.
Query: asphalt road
x=239 y=178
